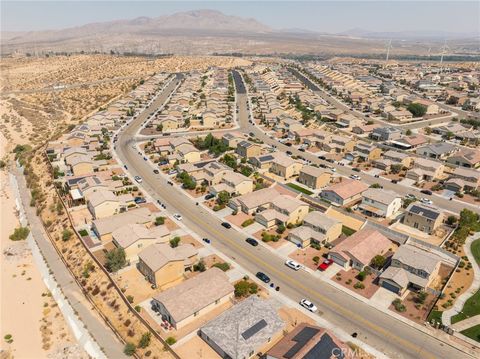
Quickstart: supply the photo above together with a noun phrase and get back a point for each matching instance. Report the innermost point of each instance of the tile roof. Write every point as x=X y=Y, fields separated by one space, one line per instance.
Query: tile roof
x=347 y=188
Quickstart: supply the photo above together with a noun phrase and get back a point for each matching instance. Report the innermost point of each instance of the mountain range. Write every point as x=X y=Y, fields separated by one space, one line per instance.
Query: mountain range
x=208 y=31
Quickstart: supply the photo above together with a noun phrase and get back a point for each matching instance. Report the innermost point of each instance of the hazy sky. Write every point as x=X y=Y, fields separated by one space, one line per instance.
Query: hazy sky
x=327 y=16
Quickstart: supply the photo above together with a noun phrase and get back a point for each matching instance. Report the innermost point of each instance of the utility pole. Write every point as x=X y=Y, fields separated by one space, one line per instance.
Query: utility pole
x=444 y=51
x=389 y=46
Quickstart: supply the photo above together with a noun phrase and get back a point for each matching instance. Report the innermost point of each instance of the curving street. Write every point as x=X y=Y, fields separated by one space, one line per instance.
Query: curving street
x=385 y=333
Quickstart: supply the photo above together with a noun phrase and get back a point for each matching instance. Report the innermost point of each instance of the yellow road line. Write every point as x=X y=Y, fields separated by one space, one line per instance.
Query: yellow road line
x=323 y=298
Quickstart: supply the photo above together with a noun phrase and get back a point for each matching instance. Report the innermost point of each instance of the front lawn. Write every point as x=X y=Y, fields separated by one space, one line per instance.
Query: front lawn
x=470 y=308
x=475 y=248
x=435 y=315
x=472 y=333
x=300 y=189
x=347 y=231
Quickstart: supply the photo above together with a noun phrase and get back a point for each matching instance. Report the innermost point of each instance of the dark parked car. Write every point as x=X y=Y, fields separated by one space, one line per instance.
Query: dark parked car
x=156 y=171
x=301 y=149
x=394 y=181
x=322 y=158
x=263 y=277
x=226 y=225
x=426 y=191
x=288 y=144
x=252 y=241
x=170 y=183
x=209 y=196
x=356 y=169
x=322 y=165
x=289 y=153
x=139 y=200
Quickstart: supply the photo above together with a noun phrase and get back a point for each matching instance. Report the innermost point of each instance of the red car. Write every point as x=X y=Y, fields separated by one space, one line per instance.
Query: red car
x=325 y=264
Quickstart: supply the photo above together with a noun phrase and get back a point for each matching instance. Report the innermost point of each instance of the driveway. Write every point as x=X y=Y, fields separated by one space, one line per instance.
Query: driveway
x=407 y=182
x=383 y=298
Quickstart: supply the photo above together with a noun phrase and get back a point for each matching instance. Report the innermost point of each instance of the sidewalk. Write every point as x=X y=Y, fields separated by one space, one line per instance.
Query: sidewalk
x=460 y=302
x=89 y=329
x=467 y=323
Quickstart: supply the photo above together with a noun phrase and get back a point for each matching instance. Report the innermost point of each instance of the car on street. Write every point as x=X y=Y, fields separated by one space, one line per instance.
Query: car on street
x=288 y=144
x=292 y=264
x=209 y=196
x=356 y=169
x=289 y=153
x=156 y=171
x=394 y=181
x=301 y=149
x=177 y=216
x=325 y=264
x=139 y=200
x=308 y=305
x=226 y=225
x=426 y=191
x=426 y=201
x=410 y=196
x=170 y=183
x=355 y=177
x=252 y=241
x=263 y=277
x=138 y=179
x=206 y=240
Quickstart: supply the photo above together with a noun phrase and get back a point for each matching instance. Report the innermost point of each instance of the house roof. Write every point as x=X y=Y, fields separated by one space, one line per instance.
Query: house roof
x=438 y=148
x=308 y=341
x=347 y=188
x=363 y=245
x=319 y=219
x=314 y=171
x=287 y=203
x=380 y=195
x=244 y=328
x=417 y=258
x=189 y=297
x=424 y=210
x=159 y=254
x=130 y=233
x=470 y=156
x=109 y=224
x=102 y=195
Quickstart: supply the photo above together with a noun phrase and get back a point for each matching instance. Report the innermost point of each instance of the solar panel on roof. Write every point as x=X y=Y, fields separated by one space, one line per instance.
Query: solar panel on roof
x=324 y=349
x=266 y=158
x=301 y=339
x=254 y=329
x=426 y=212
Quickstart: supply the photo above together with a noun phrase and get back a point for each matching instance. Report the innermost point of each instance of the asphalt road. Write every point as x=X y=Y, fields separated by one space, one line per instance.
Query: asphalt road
x=395 y=338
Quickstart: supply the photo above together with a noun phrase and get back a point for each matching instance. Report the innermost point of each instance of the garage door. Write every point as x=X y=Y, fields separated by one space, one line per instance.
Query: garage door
x=390 y=287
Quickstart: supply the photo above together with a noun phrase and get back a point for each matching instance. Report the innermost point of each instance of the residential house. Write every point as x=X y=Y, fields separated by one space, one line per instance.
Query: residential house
x=380 y=203
x=364 y=152
x=103 y=203
x=314 y=177
x=247 y=149
x=425 y=170
x=358 y=250
x=470 y=177
x=438 y=150
x=163 y=265
x=338 y=144
x=411 y=267
x=317 y=228
x=285 y=166
x=345 y=192
x=104 y=227
x=234 y=183
x=398 y=158
x=423 y=217
x=386 y=134
x=241 y=332
x=134 y=237
x=466 y=158
x=282 y=209
x=80 y=164
x=193 y=298
x=399 y=115
x=307 y=341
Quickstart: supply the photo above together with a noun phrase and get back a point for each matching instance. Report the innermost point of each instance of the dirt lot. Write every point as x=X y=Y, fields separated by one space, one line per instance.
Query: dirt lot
x=414 y=310
x=196 y=348
x=348 y=280
x=305 y=256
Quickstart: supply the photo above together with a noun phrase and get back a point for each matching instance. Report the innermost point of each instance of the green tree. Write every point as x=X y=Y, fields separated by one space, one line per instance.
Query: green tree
x=378 y=261
x=174 y=242
x=223 y=197
x=115 y=259
x=129 y=349
x=417 y=110
x=66 y=235
x=409 y=132
x=159 y=221
x=230 y=161
x=375 y=185
x=200 y=267
x=19 y=234
x=145 y=340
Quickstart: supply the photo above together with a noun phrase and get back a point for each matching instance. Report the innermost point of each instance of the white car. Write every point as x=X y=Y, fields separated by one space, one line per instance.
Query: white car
x=426 y=201
x=355 y=177
x=308 y=305
x=138 y=179
x=177 y=216
x=292 y=264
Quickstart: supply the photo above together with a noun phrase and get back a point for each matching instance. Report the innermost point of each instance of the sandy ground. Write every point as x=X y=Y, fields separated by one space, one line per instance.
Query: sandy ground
x=27 y=311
